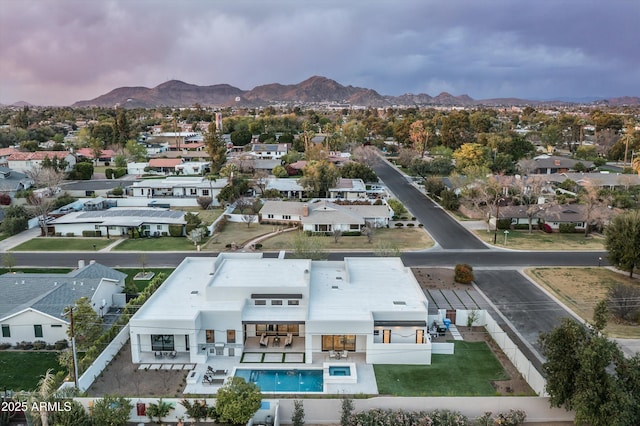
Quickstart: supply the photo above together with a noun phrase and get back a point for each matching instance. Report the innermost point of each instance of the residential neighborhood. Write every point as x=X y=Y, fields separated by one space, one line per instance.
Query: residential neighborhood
x=343 y=213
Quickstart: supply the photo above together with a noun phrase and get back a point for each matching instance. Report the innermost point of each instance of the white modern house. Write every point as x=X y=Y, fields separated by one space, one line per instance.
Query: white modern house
x=325 y=216
x=180 y=187
x=118 y=221
x=235 y=303
x=349 y=189
x=31 y=306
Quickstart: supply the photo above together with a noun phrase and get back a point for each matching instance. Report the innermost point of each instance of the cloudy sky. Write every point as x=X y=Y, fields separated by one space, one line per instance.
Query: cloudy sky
x=56 y=52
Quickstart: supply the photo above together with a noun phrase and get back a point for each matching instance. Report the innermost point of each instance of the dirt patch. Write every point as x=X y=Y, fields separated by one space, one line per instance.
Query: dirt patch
x=442 y=278
x=123 y=378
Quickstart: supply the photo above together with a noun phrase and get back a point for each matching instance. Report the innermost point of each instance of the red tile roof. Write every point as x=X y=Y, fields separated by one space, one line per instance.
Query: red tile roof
x=164 y=162
x=88 y=153
x=38 y=155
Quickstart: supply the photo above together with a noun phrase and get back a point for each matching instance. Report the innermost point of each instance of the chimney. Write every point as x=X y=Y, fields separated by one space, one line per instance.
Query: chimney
x=305 y=210
x=556 y=162
x=91 y=262
x=80 y=264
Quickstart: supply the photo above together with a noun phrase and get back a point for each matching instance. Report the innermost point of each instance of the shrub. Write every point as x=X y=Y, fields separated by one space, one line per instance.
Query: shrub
x=70 y=234
x=24 y=345
x=119 y=172
x=411 y=225
x=220 y=224
x=4 y=346
x=204 y=202
x=567 y=228
x=5 y=199
x=175 y=230
x=399 y=225
x=504 y=223
x=421 y=225
x=351 y=233
x=449 y=200
x=39 y=345
x=108 y=173
x=463 y=273
x=61 y=344
x=90 y=233
x=546 y=228
x=14 y=225
x=117 y=191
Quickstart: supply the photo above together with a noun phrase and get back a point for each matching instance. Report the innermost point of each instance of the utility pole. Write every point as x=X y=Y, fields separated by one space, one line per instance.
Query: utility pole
x=73 y=347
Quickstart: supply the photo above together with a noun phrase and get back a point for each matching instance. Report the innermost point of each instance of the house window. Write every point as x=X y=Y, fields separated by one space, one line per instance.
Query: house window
x=205 y=192
x=210 y=336
x=260 y=302
x=162 y=342
x=6 y=331
x=356 y=226
x=269 y=216
x=158 y=227
x=286 y=217
x=186 y=341
x=276 y=302
x=339 y=342
x=293 y=302
x=231 y=336
x=56 y=325
x=37 y=330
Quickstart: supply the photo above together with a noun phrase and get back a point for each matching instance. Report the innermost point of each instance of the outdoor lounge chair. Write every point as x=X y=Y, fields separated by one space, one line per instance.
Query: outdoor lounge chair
x=345 y=354
x=220 y=372
x=264 y=340
x=332 y=354
x=158 y=354
x=173 y=354
x=289 y=340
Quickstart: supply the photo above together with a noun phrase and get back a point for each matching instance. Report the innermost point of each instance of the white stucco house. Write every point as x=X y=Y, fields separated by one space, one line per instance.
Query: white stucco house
x=325 y=216
x=32 y=304
x=118 y=221
x=348 y=189
x=25 y=161
x=181 y=187
x=236 y=303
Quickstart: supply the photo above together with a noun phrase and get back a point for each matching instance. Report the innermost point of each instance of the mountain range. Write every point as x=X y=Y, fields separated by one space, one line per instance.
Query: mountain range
x=317 y=89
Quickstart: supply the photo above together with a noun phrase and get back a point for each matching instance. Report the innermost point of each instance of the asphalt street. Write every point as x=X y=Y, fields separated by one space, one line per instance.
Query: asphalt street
x=445 y=230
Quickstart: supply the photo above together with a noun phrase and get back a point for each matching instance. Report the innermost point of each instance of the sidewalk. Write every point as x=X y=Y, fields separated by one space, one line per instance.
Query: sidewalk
x=16 y=240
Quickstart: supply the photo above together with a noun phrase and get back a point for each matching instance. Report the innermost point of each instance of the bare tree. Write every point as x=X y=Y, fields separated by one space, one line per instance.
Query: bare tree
x=337 y=234
x=622 y=301
x=365 y=154
x=368 y=231
x=243 y=204
x=49 y=180
x=261 y=180
x=9 y=261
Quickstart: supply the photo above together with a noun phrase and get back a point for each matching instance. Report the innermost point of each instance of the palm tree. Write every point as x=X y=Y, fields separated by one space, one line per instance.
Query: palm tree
x=44 y=393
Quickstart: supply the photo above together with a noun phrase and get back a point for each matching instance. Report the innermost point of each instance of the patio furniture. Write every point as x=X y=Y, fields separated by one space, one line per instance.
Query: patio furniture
x=345 y=354
x=264 y=340
x=173 y=354
x=338 y=355
x=332 y=354
x=289 y=340
x=276 y=341
x=220 y=372
x=158 y=354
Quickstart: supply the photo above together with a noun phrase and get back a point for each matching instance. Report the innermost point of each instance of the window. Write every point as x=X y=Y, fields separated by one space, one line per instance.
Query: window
x=37 y=329
x=6 y=331
x=162 y=342
x=158 y=227
x=339 y=342
x=276 y=302
x=231 y=336
x=205 y=192
x=186 y=342
x=210 y=336
x=260 y=302
x=354 y=226
x=286 y=217
x=56 y=325
x=269 y=216
x=293 y=302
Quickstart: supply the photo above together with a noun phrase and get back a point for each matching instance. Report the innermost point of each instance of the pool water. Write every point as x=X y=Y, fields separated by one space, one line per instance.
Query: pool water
x=283 y=380
x=339 y=371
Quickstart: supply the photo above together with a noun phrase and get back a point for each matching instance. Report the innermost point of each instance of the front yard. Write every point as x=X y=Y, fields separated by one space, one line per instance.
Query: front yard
x=581 y=288
x=156 y=244
x=538 y=240
x=63 y=244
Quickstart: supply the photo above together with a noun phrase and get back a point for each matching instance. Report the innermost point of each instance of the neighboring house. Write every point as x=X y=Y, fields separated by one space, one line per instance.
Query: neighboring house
x=5 y=153
x=549 y=164
x=175 y=186
x=31 y=306
x=225 y=306
x=555 y=215
x=118 y=221
x=137 y=169
x=599 y=180
x=269 y=151
x=25 y=161
x=325 y=216
x=185 y=155
x=192 y=167
x=12 y=182
x=349 y=189
x=164 y=165
x=105 y=159
x=94 y=187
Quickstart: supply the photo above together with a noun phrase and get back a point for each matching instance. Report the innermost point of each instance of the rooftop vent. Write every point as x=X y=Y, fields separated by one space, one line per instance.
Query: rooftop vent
x=335 y=287
x=399 y=302
x=194 y=292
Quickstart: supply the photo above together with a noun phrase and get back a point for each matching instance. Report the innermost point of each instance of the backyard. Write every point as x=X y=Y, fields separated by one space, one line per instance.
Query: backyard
x=581 y=288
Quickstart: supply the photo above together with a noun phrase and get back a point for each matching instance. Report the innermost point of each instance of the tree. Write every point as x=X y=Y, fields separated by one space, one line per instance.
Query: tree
x=347 y=411
x=319 y=177
x=76 y=415
x=419 y=134
x=241 y=137
x=111 y=410
x=82 y=171
x=297 y=418
x=280 y=172
x=204 y=202
x=398 y=208
x=215 y=147
x=96 y=147
x=197 y=410
x=623 y=301
x=355 y=170
x=87 y=324
x=237 y=187
x=308 y=247
x=8 y=261
x=622 y=240
x=471 y=154
x=135 y=151
x=50 y=179
x=237 y=401
x=159 y=410
x=44 y=393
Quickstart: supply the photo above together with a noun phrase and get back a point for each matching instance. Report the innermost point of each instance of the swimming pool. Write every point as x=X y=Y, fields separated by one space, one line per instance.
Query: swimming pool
x=283 y=380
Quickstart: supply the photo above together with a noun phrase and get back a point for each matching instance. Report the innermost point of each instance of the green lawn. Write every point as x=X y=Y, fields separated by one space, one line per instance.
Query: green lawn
x=538 y=240
x=141 y=284
x=156 y=244
x=21 y=370
x=63 y=244
x=468 y=372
